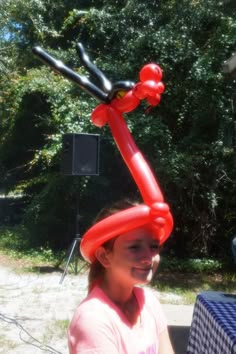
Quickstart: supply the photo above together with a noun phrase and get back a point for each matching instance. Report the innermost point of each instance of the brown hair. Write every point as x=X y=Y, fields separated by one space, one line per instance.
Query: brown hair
x=96 y=269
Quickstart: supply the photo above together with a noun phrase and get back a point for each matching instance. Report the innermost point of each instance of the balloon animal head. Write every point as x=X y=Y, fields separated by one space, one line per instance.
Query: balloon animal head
x=122 y=95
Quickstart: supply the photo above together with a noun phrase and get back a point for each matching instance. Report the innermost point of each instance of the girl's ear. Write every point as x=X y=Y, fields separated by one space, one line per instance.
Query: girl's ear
x=101 y=255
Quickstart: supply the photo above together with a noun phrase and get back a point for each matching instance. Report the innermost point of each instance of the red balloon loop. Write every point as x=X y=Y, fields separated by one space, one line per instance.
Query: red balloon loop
x=99 y=115
x=139 y=91
x=154 y=101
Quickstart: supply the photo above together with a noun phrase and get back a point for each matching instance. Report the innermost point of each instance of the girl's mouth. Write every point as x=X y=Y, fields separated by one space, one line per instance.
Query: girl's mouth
x=144 y=269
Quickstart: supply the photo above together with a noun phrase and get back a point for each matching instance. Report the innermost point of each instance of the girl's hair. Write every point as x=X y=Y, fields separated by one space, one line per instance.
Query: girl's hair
x=96 y=269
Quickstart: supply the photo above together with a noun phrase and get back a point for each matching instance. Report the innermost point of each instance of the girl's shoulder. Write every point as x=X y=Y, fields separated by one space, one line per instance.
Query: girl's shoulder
x=96 y=302
x=93 y=311
x=95 y=299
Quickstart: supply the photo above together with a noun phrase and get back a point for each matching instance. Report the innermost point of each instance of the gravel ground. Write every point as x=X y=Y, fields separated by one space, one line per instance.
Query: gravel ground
x=35 y=310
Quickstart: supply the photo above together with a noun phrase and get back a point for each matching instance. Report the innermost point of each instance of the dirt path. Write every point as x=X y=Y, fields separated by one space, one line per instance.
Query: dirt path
x=35 y=310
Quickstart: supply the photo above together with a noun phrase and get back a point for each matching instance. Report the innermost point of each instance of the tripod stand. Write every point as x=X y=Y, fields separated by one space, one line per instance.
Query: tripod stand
x=73 y=251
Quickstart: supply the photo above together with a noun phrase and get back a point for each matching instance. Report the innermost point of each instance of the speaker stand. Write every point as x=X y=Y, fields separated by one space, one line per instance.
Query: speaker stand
x=73 y=248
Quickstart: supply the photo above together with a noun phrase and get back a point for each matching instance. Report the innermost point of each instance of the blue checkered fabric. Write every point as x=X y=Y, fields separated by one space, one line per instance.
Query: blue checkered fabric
x=213 y=328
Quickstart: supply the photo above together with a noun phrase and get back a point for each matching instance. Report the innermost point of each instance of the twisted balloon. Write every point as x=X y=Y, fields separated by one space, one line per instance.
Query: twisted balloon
x=154 y=212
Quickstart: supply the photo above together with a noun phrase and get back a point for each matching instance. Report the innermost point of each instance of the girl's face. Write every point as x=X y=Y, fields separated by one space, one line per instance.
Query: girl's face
x=134 y=257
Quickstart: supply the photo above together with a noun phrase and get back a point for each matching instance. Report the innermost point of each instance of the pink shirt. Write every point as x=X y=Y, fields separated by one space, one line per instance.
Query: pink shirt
x=99 y=327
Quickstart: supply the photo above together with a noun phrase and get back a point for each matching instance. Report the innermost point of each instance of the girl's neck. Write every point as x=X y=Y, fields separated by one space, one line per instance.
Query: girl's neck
x=116 y=292
x=124 y=299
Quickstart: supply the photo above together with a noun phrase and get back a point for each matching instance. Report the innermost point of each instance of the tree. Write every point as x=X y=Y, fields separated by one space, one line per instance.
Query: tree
x=183 y=138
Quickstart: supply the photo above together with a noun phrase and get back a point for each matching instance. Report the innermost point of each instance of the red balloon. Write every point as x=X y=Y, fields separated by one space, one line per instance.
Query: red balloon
x=134 y=159
x=139 y=91
x=121 y=222
x=160 y=87
x=150 y=87
x=112 y=226
x=125 y=104
x=154 y=101
x=150 y=72
x=99 y=115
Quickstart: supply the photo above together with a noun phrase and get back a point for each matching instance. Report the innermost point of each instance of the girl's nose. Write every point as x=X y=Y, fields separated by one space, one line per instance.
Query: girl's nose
x=147 y=256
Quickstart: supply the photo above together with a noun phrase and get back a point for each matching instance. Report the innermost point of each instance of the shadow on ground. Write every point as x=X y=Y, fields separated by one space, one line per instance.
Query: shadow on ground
x=179 y=338
x=46 y=269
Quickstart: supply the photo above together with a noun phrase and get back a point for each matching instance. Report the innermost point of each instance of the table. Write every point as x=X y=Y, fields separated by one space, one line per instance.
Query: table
x=213 y=328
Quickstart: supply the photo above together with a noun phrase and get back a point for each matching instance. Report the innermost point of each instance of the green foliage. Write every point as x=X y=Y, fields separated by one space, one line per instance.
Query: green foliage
x=13 y=238
x=191 y=265
x=188 y=138
x=14 y=242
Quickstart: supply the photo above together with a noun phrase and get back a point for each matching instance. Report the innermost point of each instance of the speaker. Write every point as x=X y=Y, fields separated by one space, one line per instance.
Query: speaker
x=80 y=154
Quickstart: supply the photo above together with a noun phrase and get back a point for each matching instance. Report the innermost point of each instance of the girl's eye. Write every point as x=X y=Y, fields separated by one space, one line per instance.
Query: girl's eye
x=134 y=247
x=155 y=247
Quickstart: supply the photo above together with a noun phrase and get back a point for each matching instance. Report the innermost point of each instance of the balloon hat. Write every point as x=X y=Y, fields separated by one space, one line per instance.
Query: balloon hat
x=117 y=98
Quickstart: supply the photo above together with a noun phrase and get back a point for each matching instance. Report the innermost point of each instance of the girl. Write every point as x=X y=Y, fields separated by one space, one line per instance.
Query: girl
x=118 y=316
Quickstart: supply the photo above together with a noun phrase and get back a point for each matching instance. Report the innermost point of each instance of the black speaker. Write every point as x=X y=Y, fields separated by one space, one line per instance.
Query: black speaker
x=80 y=154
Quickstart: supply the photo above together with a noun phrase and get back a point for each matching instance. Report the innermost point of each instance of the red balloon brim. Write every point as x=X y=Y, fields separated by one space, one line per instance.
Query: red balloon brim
x=120 y=223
